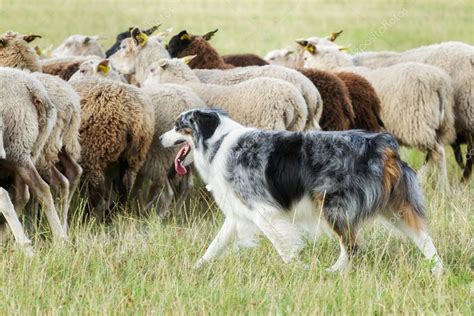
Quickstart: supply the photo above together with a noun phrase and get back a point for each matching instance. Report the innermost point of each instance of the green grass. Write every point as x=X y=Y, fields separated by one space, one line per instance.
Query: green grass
x=144 y=266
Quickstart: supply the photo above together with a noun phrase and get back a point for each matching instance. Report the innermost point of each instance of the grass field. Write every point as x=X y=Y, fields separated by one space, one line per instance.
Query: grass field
x=145 y=266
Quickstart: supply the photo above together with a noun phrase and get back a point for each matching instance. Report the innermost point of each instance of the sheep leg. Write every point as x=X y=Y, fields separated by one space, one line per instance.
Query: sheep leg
x=436 y=158
x=21 y=194
x=61 y=185
x=72 y=171
x=41 y=190
x=469 y=158
x=8 y=211
x=458 y=154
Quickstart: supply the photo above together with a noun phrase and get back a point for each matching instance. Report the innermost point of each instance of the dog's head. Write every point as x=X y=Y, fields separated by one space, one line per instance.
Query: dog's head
x=192 y=130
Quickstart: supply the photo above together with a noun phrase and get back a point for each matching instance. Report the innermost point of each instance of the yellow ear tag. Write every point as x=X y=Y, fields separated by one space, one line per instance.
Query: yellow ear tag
x=310 y=48
x=38 y=50
x=343 y=49
x=103 y=68
x=142 y=39
x=185 y=37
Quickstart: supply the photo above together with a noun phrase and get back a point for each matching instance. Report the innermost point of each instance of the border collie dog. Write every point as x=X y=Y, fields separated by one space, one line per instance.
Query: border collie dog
x=286 y=184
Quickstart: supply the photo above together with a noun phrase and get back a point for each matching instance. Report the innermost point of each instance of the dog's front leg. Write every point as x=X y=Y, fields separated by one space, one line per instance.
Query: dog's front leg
x=220 y=243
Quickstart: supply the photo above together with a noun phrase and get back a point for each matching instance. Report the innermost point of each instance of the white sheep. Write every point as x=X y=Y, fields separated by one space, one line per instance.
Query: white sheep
x=137 y=53
x=457 y=59
x=301 y=82
x=98 y=68
x=80 y=45
x=62 y=147
x=281 y=57
x=28 y=116
x=417 y=102
x=265 y=103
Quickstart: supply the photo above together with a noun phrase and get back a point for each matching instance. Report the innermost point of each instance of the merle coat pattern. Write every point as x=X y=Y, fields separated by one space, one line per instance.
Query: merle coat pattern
x=276 y=182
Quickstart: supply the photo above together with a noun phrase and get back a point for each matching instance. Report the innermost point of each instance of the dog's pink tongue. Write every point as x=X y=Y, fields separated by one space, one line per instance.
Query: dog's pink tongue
x=180 y=169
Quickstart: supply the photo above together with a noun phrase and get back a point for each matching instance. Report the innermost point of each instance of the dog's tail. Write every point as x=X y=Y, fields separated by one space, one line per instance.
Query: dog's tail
x=403 y=193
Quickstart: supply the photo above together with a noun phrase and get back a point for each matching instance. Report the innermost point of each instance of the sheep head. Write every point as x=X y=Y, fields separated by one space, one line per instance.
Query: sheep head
x=325 y=57
x=282 y=57
x=178 y=43
x=80 y=45
x=16 y=53
x=139 y=37
x=168 y=70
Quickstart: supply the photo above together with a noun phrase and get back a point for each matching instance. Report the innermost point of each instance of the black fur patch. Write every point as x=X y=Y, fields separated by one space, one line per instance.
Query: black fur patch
x=215 y=148
x=177 y=44
x=284 y=169
x=206 y=122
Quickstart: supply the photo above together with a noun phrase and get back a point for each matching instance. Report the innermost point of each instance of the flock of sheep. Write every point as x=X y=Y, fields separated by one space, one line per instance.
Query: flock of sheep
x=72 y=116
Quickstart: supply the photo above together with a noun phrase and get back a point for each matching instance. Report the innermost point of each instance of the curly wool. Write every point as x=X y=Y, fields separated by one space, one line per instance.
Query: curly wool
x=117 y=122
x=18 y=54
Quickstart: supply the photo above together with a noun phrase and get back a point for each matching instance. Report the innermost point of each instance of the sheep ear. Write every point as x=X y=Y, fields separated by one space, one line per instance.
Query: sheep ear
x=187 y=59
x=302 y=42
x=30 y=38
x=163 y=63
x=86 y=40
x=343 y=49
x=38 y=50
x=138 y=36
x=289 y=52
x=334 y=36
x=310 y=47
x=210 y=34
x=152 y=29
x=185 y=36
x=165 y=33
x=3 y=42
x=103 y=66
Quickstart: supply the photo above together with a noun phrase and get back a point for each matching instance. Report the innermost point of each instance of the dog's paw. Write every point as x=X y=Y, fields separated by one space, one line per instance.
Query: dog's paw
x=199 y=264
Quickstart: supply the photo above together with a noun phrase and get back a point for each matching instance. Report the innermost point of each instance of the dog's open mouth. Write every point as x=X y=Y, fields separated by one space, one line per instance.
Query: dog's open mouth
x=179 y=160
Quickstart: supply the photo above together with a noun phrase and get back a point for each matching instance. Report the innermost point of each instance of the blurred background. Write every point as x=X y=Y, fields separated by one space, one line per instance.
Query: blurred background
x=251 y=26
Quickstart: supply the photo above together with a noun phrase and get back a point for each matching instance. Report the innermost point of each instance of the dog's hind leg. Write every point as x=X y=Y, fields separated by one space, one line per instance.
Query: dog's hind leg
x=220 y=243
x=413 y=226
x=8 y=211
x=278 y=228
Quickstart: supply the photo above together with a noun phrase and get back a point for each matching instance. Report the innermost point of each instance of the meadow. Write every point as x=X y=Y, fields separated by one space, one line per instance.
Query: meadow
x=144 y=265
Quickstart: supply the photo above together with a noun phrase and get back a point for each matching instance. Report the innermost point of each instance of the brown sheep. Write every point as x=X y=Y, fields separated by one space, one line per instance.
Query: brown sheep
x=338 y=113
x=117 y=125
x=365 y=102
x=244 y=60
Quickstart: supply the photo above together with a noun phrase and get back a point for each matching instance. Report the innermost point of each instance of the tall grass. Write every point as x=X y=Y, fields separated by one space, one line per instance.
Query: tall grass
x=144 y=265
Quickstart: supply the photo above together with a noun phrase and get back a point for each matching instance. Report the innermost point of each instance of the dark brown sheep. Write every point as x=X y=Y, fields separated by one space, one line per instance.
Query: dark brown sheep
x=244 y=60
x=184 y=44
x=365 y=102
x=64 y=68
x=338 y=113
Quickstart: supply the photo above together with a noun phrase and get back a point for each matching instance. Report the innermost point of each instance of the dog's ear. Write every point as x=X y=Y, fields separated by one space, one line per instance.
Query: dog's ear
x=206 y=122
